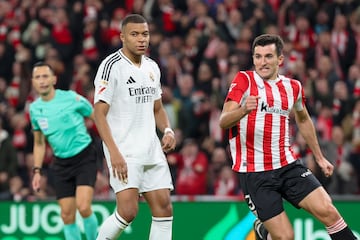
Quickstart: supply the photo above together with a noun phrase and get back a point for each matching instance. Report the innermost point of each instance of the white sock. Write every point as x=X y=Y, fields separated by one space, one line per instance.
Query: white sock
x=161 y=228
x=112 y=227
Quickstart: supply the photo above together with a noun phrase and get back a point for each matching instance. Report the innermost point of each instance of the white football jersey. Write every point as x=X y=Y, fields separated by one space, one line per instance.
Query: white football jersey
x=131 y=92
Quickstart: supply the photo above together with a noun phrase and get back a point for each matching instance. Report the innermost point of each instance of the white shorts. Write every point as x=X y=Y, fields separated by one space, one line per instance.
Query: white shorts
x=145 y=178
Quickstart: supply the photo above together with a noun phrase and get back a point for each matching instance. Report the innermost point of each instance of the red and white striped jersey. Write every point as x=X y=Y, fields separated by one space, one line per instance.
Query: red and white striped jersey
x=260 y=141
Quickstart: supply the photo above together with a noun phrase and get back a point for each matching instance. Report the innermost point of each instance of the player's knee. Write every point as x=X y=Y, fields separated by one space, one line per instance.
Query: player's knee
x=164 y=208
x=68 y=217
x=84 y=208
x=128 y=213
x=168 y=209
x=327 y=213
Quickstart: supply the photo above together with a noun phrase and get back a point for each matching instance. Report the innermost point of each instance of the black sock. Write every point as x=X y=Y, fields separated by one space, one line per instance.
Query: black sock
x=345 y=234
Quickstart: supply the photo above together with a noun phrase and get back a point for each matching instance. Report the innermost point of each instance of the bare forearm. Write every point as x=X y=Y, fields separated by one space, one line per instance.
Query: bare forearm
x=231 y=118
x=307 y=130
x=39 y=148
x=162 y=120
x=39 y=154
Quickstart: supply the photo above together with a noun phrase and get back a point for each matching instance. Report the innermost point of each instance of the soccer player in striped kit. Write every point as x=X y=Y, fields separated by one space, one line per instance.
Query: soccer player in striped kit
x=128 y=109
x=256 y=113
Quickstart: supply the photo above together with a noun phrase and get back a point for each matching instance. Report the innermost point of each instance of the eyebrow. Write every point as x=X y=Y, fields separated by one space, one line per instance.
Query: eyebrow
x=134 y=31
x=266 y=54
x=44 y=75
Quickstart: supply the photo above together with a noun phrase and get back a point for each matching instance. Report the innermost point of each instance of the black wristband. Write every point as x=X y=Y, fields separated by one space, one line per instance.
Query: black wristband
x=37 y=170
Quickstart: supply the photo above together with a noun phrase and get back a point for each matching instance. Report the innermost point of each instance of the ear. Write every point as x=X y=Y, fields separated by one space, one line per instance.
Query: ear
x=122 y=36
x=54 y=80
x=281 y=59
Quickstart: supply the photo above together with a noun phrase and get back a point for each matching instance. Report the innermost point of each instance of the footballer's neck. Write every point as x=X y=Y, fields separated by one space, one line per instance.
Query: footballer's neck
x=134 y=58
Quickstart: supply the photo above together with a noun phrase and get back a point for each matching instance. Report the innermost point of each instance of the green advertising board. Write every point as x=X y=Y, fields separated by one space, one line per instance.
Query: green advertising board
x=226 y=220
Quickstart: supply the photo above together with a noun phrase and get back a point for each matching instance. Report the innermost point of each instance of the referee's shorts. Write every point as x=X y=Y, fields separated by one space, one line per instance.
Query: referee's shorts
x=78 y=170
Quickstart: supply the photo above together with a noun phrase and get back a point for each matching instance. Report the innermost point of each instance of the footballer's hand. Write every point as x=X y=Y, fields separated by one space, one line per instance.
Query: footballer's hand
x=251 y=103
x=36 y=182
x=326 y=167
x=119 y=168
x=168 y=142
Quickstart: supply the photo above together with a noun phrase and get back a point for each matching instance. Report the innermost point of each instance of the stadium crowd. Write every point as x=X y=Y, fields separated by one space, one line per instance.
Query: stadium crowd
x=199 y=45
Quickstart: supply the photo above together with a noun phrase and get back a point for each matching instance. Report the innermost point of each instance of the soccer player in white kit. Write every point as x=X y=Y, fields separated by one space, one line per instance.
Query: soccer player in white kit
x=257 y=112
x=128 y=109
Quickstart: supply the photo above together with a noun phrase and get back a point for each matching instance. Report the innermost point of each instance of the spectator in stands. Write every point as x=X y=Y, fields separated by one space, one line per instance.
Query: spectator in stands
x=353 y=80
x=302 y=35
x=192 y=168
x=323 y=47
x=226 y=183
x=162 y=14
x=21 y=135
x=7 y=57
x=169 y=66
x=171 y=105
x=342 y=37
x=343 y=102
x=355 y=26
x=222 y=181
x=355 y=153
x=35 y=37
x=183 y=93
x=230 y=25
x=8 y=163
x=322 y=21
x=321 y=93
x=337 y=150
x=258 y=15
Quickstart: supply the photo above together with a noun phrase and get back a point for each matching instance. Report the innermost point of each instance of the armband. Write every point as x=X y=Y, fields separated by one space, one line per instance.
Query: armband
x=37 y=170
x=169 y=130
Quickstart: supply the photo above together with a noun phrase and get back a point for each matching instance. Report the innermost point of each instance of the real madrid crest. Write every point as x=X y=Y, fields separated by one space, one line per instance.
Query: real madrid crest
x=103 y=82
x=151 y=76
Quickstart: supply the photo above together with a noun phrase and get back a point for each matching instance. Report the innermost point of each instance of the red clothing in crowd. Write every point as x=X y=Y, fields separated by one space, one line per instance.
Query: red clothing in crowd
x=192 y=168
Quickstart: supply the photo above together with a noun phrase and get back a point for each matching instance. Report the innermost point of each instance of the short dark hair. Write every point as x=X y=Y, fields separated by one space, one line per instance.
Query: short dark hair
x=132 y=18
x=44 y=64
x=267 y=39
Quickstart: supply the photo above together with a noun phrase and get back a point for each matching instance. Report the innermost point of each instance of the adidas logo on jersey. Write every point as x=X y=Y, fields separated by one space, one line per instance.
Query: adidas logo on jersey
x=130 y=80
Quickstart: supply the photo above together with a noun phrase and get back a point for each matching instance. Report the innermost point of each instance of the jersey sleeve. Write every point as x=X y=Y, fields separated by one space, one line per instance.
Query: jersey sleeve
x=300 y=97
x=104 y=83
x=34 y=123
x=238 y=87
x=157 y=79
x=84 y=107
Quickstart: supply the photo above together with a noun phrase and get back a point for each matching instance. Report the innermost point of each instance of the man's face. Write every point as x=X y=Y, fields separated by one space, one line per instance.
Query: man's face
x=266 y=61
x=43 y=80
x=135 y=38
